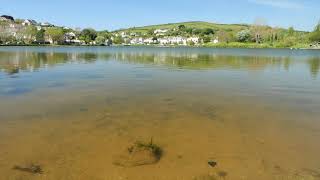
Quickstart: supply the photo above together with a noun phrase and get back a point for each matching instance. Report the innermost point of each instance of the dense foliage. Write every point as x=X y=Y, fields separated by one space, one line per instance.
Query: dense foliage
x=88 y=35
x=56 y=34
x=315 y=35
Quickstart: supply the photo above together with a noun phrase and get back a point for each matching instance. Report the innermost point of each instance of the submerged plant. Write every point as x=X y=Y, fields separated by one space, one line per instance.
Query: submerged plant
x=155 y=149
x=138 y=154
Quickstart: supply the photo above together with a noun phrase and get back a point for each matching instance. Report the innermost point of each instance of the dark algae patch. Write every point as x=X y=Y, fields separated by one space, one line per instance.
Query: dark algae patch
x=32 y=168
x=222 y=174
x=212 y=163
x=139 y=154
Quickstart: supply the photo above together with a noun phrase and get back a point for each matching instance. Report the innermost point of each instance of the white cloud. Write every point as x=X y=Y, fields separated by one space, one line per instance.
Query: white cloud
x=288 y=4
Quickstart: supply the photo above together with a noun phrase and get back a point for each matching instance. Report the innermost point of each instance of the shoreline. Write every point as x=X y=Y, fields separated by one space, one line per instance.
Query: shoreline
x=162 y=46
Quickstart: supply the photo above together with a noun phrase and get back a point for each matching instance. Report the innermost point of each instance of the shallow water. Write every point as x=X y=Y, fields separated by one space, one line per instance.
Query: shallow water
x=72 y=109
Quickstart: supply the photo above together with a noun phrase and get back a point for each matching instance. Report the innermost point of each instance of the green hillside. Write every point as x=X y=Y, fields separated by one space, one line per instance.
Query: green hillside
x=191 y=24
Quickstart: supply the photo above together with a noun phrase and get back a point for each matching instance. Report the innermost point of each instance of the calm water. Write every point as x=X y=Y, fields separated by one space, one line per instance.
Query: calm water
x=72 y=109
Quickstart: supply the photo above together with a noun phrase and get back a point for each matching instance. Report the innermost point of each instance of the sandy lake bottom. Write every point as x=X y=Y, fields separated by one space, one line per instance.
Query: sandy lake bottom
x=255 y=113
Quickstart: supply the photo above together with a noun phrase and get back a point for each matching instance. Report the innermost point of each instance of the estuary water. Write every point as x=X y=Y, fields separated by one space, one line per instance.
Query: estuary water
x=71 y=110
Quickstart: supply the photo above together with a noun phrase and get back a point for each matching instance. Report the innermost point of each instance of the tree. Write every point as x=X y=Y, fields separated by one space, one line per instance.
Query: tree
x=189 y=30
x=291 y=31
x=196 y=31
x=56 y=34
x=317 y=28
x=101 y=40
x=315 y=35
x=181 y=27
x=259 y=26
x=225 y=36
x=30 y=33
x=88 y=35
x=150 y=32
x=244 y=36
x=118 y=40
x=206 y=39
x=208 y=31
x=40 y=36
x=6 y=38
x=18 y=21
x=191 y=43
x=105 y=34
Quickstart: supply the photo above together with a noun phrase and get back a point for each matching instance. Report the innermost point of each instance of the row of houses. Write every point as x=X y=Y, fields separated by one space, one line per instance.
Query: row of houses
x=160 y=36
x=6 y=18
x=16 y=29
x=176 y=40
x=25 y=22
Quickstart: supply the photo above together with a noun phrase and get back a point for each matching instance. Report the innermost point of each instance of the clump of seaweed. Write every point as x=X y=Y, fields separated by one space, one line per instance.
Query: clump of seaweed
x=32 y=168
x=155 y=149
x=138 y=154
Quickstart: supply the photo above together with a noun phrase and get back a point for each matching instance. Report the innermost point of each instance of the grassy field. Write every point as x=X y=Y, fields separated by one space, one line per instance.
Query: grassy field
x=192 y=24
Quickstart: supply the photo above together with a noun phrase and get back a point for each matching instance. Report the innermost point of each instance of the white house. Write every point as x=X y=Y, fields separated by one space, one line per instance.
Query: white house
x=124 y=35
x=71 y=37
x=137 y=41
x=150 y=41
x=134 y=34
x=163 y=41
x=178 y=40
x=160 y=32
x=6 y=18
x=29 y=22
x=66 y=28
x=38 y=28
x=12 y=25
x=3 y=19
x=195 y=40
x=215 y=41
x=46 y=24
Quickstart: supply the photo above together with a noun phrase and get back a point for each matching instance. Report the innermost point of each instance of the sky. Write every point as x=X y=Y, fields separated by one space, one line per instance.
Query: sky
x=115 y=14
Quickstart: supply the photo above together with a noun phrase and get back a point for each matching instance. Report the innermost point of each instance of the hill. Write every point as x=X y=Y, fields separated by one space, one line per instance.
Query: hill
x=190 y=24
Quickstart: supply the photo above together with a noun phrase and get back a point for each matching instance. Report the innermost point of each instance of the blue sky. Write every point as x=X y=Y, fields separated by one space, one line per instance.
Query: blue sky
x=115 y=14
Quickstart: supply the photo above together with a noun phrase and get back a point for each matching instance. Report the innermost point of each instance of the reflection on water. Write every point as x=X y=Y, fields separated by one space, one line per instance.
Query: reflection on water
x=69 y=111
x=13 y=62
x=314 y=64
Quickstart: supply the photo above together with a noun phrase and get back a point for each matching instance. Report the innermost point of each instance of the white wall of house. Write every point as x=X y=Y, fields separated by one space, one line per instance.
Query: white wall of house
x=215 y=41
x=137 y=41
x=195 y=40
x=149 y=41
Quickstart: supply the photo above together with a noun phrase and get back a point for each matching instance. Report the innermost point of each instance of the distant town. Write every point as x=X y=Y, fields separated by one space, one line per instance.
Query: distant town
x=30 y=32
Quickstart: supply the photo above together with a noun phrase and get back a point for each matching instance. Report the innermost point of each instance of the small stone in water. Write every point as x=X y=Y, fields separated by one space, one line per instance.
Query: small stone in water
x=212 y=163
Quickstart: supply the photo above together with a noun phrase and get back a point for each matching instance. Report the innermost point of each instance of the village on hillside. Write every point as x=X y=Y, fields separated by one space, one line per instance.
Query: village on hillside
x=30 y=32
x=22 y=30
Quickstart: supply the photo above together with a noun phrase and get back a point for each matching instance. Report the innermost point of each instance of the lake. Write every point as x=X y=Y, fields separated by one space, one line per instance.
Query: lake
x=73 y=110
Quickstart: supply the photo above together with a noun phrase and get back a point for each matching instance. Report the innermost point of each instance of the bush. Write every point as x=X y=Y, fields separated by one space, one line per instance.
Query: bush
x=244 y=36
x=206 y=39
x=315 y=36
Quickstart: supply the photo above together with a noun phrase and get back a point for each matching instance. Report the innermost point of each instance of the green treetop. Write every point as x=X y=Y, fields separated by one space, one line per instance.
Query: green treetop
x=88 y=35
